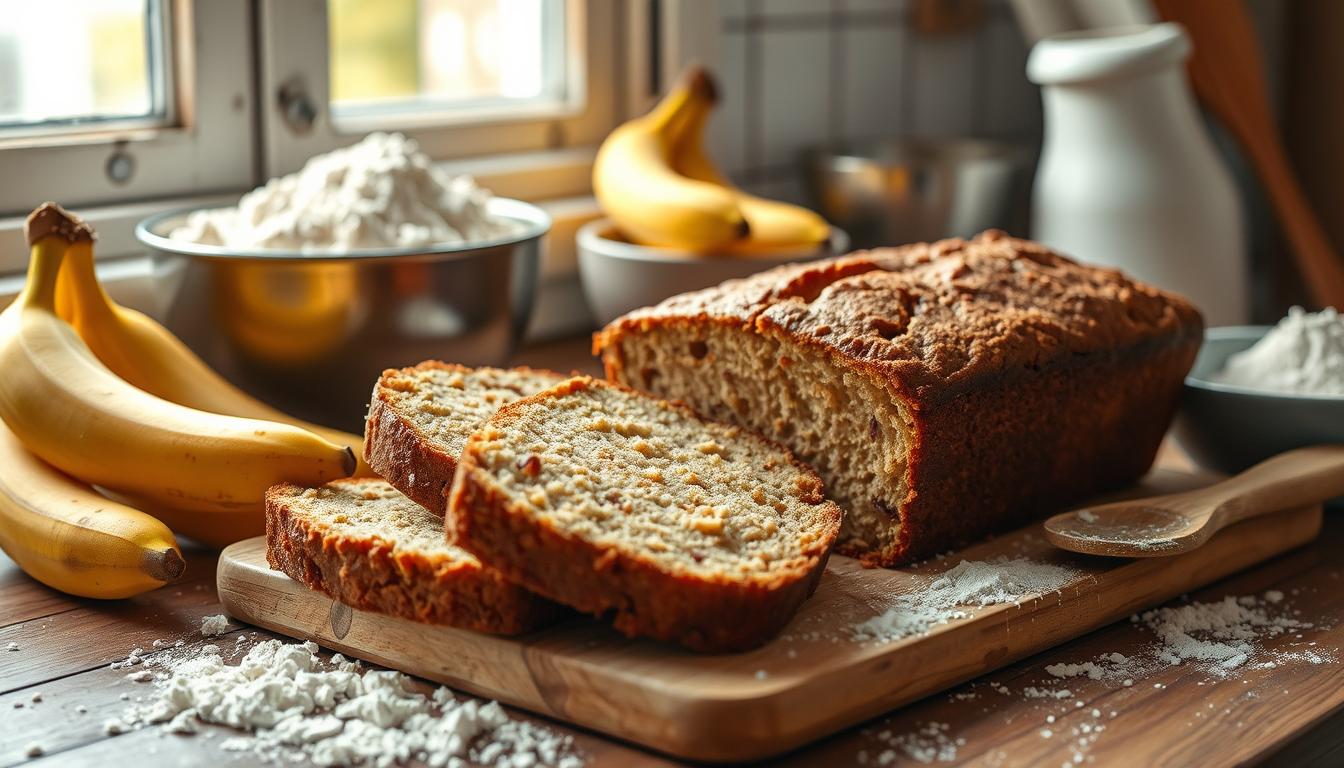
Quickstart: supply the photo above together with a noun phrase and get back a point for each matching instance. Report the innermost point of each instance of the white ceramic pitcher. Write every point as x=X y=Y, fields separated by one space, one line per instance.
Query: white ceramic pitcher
x=1128 y=176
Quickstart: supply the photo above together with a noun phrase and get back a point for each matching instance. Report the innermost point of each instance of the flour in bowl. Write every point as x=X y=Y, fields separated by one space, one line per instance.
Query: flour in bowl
x=380 y=193
x=1302 y=355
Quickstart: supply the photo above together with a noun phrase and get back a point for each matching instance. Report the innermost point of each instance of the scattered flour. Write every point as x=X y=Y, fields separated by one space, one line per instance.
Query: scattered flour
x=290 y=706
x=214 y=626
x=926 y=744
x=1303 y=354
x=381 y=192
x=1224 y=634
x=1219 y=636
x=970 y=583
x=1032 y=692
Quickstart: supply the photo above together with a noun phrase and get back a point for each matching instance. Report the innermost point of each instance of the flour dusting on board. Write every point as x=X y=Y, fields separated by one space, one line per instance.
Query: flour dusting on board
x=971 y=583
x=288 y=705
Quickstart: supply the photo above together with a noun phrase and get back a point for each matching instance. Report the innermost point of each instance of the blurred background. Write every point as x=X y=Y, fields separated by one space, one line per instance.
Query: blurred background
x=144 y=105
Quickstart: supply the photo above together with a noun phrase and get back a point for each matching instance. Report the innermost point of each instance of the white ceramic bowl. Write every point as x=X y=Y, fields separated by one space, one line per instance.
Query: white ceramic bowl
x=619 y=276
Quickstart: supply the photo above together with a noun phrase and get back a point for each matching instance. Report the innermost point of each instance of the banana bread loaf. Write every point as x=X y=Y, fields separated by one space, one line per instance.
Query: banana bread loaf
x=361 y=542
x=420 y=417
x=617 y=503
x=942 y=391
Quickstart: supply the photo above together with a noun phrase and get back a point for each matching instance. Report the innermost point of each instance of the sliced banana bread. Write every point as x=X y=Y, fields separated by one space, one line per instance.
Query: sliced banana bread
x=942 y=391
x=361 y=542
x=614 y=502
x=420 y=417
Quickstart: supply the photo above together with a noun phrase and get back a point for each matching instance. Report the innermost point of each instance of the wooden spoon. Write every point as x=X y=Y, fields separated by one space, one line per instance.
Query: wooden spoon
x=1227 y=69
x=1169 y=525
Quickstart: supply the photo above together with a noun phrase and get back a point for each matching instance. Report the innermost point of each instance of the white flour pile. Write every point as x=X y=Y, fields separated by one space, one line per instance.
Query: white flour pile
x=970 y=583
x=1303 y=355
x=292 y=706
x=382 y=192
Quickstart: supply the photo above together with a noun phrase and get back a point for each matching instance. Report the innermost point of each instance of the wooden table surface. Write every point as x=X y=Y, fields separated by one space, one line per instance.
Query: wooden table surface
x=1292 y=714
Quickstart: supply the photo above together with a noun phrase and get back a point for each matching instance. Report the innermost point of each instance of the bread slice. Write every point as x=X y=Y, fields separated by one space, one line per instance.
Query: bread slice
x=361 y=542
x=420 y=417
x=614 y=502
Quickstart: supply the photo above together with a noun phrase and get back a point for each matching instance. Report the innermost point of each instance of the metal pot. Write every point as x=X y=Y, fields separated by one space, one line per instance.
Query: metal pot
x=890 y=191
x=311 y=332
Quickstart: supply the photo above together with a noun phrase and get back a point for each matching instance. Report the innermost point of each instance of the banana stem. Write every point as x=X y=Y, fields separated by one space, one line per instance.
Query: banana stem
x=695 y=85
x=50 y=231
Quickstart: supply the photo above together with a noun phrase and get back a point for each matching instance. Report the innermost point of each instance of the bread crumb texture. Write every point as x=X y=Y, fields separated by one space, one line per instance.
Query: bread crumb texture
x=449 y=402
x=646 y=478
x=362 y=542
x=376 y=511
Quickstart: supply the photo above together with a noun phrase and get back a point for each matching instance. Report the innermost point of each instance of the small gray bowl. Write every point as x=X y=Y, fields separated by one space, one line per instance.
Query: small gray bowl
x=619 y=276
x=1229 y=428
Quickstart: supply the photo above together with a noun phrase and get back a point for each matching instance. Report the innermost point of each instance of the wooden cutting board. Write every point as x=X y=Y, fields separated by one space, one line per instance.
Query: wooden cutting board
x=811 y=681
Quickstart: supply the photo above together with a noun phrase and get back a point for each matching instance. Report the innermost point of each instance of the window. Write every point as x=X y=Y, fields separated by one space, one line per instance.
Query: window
x=464 y=77
x=107 y=68
x=115 y=101
x=145 y=105
x=448 y=60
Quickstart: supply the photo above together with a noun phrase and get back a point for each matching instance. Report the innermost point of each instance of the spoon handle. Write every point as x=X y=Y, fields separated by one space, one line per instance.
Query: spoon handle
x=1292 y=479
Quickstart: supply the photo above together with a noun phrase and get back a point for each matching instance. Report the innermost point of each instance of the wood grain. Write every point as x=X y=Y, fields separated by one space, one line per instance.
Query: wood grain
x=810 y=682
x=1301 y=727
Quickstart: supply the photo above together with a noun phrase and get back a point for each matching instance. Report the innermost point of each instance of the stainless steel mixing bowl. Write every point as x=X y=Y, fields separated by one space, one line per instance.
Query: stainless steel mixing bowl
x=310 y=333
x=890 y=192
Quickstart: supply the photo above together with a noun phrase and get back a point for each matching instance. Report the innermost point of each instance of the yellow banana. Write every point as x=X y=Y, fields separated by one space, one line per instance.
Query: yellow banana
x=650 y=202
x=148 y=356
x=774 y=224
x=68 y=537
x=77 y=415
x=217 y=531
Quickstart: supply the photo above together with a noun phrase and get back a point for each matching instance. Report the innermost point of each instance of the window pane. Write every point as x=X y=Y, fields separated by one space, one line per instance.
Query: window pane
x=399 y=56
x=76 y=61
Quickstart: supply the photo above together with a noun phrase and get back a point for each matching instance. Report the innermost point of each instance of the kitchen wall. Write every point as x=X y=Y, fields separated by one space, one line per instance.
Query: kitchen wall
x=795 y=73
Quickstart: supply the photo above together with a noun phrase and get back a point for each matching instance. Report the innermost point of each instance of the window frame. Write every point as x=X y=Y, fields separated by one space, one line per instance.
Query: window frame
x=208 y=145
x=294 y=60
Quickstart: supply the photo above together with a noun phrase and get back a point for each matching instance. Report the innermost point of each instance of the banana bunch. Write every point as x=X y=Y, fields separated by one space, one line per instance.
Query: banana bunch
x=654 y=179
x=72 y=422
x=149 y=357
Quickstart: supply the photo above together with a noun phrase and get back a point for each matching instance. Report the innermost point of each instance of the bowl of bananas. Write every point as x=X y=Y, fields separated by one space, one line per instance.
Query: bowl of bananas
x=675 y=223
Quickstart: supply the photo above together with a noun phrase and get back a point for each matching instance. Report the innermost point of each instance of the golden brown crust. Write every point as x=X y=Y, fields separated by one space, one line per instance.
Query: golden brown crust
x=1030 y=380
x=401 y=453
x=643 y=598
x=366 y=573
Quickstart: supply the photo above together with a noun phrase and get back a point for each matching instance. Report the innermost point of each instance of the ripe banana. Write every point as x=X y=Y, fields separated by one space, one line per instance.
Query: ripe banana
x=647 y=199
x=73 y=412
x=148 y=356
x=68 y=537
x=217 y=531
x=774 y=225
